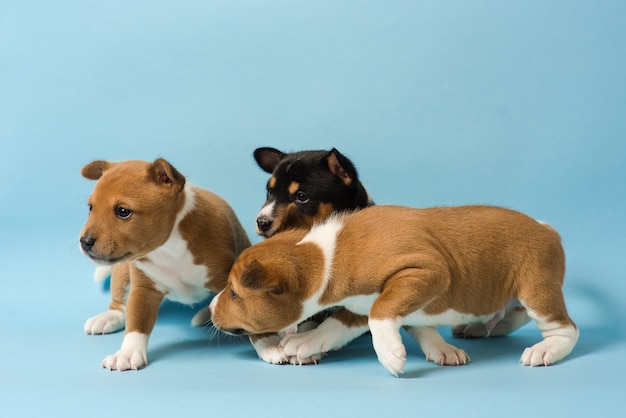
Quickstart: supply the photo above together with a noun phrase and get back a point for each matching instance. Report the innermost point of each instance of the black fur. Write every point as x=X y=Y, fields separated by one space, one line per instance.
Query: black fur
x=326 y=180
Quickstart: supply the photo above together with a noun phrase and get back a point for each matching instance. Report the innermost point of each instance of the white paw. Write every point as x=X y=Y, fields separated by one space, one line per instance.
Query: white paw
x=301 y=361
x=546 y=352
x=446 y=355
x=436 y=349
x=132 y=354
x=392 y=357
x=268 y=349
x=388 y=345
x=558 y=342
x=310 y=346
x=305 y=348
x=105 y=322
x=125 y=360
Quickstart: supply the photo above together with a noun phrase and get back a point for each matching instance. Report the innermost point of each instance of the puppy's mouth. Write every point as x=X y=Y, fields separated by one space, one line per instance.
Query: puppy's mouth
x=107 y=260
x=267 y=234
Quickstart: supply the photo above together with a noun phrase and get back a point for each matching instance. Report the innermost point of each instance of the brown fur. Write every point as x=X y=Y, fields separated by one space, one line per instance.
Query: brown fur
x=471 y=259
x=155 y=192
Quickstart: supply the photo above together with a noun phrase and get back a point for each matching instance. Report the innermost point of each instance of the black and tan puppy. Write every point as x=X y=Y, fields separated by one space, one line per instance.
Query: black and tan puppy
x=306 y=187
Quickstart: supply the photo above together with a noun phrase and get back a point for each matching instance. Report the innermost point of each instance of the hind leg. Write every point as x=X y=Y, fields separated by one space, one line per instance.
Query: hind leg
x=560 y=335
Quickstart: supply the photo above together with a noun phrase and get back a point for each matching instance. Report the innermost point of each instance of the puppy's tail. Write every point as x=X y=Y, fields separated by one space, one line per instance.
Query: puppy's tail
x=102 y=273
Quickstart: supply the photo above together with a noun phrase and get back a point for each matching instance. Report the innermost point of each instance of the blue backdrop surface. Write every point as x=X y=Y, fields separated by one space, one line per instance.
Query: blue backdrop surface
x=518 y=104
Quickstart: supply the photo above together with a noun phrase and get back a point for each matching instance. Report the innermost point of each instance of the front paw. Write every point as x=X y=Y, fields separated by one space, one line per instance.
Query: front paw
x=125 y=360
x=132 y=354
x=268 y=348
x=388 y=345
x=305 y=348
x=105 y=323
x=392 y=357
x=446 y=355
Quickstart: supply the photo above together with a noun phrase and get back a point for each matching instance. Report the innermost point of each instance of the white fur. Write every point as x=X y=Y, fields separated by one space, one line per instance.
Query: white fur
x=331 y=334
x=558 y=342
x=449 y=317
x=171 y=266
x=436 y=349
x=360 y=304
x=388 y=344
x=323 y=235
x=105 y=322
x=268 y=349
x=132 y=354
x=267 y=211
x=101 y=273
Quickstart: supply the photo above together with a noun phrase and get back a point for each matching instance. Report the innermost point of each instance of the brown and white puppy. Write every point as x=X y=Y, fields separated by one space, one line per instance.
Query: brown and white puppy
x=418 y=268
x=164 y=237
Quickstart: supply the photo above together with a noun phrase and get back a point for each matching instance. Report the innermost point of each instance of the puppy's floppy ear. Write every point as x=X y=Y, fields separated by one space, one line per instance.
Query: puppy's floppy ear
x=164 y=173
x=341 y=167
x=94 y=170
x=256 y=276
x=253 y=275
x=268 y=158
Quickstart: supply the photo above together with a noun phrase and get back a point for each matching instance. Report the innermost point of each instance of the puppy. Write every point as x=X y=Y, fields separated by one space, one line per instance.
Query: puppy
x=418 y=268
x=305 y=187
x=164 y=238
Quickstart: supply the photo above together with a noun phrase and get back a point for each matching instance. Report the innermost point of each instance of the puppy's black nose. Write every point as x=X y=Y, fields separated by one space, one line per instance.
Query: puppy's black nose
x=264 y=223
x=87 y=242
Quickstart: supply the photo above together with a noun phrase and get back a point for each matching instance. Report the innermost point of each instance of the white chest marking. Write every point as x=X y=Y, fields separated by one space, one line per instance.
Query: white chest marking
x=324 y=236
x=172 y=267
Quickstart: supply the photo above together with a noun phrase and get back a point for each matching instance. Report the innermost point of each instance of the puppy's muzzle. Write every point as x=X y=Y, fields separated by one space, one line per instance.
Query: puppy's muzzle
x=87 y=245
x=264 y=223
x=87 y=242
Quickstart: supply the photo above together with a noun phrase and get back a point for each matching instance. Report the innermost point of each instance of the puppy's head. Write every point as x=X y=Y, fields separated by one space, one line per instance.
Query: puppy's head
x=306 y=187
x=132 y=209
x=266 y=289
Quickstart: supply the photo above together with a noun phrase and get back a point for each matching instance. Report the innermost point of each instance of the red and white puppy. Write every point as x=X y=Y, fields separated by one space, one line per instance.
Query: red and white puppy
x=418 y=268
x=164 y=237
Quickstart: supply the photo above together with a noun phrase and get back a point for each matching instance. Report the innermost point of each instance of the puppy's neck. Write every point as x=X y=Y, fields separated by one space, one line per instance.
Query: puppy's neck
x=323 y=236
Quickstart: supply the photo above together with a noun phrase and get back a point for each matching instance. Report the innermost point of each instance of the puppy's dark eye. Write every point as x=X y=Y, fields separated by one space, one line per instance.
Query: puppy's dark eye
x=269 y=192
x=122 y=212
x=90 y=207
x=233 y=295
x=301 y=197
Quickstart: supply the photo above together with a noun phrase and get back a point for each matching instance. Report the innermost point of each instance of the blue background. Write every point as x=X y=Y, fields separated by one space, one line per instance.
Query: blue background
x=519 y=104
